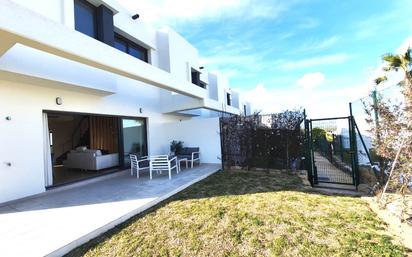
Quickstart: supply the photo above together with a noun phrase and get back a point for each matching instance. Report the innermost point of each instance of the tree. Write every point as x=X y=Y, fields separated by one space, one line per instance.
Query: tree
x=403 y=63
x=392 y=128
x=318 y=135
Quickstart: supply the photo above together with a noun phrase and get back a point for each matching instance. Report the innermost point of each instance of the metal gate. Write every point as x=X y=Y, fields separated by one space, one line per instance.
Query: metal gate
x=331 y=151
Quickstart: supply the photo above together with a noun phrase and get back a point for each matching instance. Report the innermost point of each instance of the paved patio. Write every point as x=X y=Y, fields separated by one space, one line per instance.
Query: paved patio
x=53 y=223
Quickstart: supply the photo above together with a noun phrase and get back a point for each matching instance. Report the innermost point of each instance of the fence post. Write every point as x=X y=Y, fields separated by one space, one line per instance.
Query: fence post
x=309 y=159
x=308 y=164
x=354 y=148
x=222 y=152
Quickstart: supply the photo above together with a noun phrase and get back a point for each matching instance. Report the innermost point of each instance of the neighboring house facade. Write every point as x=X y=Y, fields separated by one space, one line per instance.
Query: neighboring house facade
x=85 y=83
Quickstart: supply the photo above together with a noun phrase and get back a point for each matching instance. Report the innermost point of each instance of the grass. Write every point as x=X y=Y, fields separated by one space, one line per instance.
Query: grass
x=249 y=214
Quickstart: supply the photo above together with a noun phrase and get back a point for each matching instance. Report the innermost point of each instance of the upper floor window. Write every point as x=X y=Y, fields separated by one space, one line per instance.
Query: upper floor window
x=229 y=99
x=195 y=77
x=131 y=48
x=85 y=18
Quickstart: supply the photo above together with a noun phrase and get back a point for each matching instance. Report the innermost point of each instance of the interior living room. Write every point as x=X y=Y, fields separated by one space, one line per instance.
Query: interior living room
x=84 y=146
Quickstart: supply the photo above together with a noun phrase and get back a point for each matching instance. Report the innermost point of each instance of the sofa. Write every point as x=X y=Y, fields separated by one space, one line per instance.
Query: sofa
x=89 y=159
x=192 y=154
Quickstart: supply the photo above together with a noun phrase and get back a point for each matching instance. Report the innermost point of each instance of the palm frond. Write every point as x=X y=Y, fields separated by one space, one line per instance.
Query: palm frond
x=408 y=56
x=393 y=61
x=380 y=80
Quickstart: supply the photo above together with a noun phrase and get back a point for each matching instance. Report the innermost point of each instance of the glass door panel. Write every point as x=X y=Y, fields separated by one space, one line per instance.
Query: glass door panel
x=134 y=138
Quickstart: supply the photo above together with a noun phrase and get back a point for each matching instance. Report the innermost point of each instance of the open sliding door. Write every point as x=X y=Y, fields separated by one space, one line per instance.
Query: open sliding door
x=134 y=139
x=47 y=145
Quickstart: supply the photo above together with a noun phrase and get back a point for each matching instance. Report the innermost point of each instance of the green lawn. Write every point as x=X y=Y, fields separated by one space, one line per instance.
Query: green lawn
x=249 y=214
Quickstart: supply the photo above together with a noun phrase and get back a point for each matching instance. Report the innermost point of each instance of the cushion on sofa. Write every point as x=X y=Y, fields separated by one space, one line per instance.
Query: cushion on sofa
x=94 y=152
x=188 y=150
x=187 y=156
x=81 y=148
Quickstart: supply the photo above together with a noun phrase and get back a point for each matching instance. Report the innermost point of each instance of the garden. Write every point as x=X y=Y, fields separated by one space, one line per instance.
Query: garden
x=239 y=213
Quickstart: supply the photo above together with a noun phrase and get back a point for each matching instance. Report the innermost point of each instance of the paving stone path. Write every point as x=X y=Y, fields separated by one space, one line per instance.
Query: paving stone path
x=330 y=173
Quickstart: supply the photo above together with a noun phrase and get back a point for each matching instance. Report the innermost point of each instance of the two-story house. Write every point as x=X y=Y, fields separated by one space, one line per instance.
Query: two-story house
x=89 y=76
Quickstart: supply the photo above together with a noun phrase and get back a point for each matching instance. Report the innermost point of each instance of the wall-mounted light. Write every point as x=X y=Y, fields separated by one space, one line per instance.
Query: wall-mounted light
x=140 y=110
x=59 y=101
x=136 y=16
x=201 y=68
x=8 y=118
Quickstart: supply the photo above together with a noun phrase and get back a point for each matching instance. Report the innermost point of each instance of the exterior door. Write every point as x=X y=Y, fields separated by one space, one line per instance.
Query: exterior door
x=134 y=138
x=332 y=151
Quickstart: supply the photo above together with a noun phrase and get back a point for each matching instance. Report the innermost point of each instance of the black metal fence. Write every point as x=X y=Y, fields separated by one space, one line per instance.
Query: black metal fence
x=366 y=150
x=263 y=141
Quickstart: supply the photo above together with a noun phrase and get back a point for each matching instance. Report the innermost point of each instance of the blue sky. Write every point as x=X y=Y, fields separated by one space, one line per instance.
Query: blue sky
x=318 y=54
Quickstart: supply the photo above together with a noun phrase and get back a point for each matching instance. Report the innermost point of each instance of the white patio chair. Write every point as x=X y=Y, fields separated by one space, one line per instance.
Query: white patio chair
x=195 y=158
x=138 y=164
x=160 y=163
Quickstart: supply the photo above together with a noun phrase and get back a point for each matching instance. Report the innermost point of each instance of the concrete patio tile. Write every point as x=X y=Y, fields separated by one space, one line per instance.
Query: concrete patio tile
x=54 y=223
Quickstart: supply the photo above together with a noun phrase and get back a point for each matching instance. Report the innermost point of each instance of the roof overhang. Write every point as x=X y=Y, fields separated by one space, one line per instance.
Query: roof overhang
x=179 y=104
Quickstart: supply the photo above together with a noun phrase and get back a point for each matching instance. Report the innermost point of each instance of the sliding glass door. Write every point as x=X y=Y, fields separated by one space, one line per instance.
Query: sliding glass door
x=134 y=138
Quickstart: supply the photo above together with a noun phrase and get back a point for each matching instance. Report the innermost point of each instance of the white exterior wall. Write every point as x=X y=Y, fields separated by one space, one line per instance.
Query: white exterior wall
x=203 y=133
x=204 y=76
x=163 y=50
x=183 y=56
x=235 y=99
x=213 y=87
x=222 y=88
x=52 y=9
x=249 y=110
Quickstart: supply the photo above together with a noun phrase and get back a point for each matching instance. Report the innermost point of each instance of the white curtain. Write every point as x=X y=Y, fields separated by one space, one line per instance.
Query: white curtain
x=48 y=171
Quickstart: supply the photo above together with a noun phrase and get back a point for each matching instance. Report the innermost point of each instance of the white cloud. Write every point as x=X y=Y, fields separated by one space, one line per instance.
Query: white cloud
x=319 y=103
x=228 y=59
x=311 y=80
x=319 y=44
x=380 y=25
x=166 y=10
x=229 y=73
x=315 y=61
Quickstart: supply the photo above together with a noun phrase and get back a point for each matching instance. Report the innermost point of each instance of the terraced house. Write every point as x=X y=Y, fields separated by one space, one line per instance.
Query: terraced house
x=84 y=83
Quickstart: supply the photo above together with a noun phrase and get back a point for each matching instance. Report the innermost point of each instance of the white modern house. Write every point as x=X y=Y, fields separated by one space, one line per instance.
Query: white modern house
x=84 y=83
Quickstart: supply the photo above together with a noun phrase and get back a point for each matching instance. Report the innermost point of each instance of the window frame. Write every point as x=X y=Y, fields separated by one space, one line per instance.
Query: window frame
x=92 y=7
x=228 y=99
x=203 y=84
x=195 y=76
x=130 y=44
